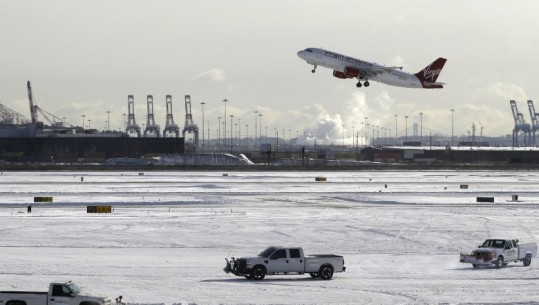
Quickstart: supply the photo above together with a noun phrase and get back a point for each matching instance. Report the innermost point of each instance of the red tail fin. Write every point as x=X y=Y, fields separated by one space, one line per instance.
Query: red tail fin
x=431 y=72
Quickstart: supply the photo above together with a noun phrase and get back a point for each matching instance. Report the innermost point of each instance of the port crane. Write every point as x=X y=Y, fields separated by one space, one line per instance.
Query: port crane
x=520 y=125
x=190 y=126
x=151 y=126
x=535 y=121
x=35 y=109
x=132 y=125
x=170 y=126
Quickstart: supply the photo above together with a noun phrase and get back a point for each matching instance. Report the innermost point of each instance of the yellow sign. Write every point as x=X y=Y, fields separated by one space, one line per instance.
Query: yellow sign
x=99 y=209
x=42 y=199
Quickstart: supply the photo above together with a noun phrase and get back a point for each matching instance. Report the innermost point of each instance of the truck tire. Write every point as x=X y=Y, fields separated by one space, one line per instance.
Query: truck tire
x=527 y=260
x=475 y=266
x=88 y=303
x=258 y=273
x=16 y=302
x=499 y=262
x=326 y=272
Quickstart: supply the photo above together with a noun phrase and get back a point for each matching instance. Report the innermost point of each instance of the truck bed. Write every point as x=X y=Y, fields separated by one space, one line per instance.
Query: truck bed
x=323 y=255
x=527 y=248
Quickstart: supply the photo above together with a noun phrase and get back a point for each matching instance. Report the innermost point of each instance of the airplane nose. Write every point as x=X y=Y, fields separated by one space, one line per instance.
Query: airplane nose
x=301 y=54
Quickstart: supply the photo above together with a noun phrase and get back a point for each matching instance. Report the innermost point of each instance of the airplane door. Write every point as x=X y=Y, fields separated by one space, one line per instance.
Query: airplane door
x=61 y=295
x=278 y=262
x=296 y=262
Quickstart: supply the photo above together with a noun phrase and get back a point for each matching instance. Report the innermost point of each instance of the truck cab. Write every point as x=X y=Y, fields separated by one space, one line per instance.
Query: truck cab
x=66 y=293
x=499 y=252
x=284 y=260
x=281 y=260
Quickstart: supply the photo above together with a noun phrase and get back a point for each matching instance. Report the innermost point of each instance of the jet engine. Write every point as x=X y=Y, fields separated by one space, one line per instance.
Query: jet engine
x=338 y=74
x=351 y=72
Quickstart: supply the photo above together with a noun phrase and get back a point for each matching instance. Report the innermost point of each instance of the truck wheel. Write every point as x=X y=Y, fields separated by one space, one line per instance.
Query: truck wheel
x=248 y=276
x=527 y=260
x=475 y=266
x=499 y=262
x=326 y=272
x=258 y=273
x=314 y=275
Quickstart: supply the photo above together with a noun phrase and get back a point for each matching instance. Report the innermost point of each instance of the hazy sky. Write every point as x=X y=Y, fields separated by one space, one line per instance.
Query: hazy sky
x=86 y=57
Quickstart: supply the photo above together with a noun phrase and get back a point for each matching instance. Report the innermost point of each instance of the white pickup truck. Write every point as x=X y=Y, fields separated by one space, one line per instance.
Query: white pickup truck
x=499 y=252
x=279 y=260
x=67 y=293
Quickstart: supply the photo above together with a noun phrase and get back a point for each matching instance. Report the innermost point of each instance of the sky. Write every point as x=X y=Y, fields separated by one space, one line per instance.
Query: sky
x=85 y=57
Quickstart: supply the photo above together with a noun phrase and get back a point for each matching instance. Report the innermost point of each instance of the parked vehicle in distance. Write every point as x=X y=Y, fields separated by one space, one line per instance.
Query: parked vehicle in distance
x=67 y=293
x=279 y=260
x=499 y=252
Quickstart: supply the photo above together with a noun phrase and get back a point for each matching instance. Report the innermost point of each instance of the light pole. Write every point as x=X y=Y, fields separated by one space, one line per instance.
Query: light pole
x=125 y=124
x=365 y=131
x=260 y=130
x=452 y=135
x=421 y=129
x=83 y=121
x=266 y=142
x=108 y=120
x=219 y=132
x=202 y=104
x=256 y=125
x=247 y=134
x=353 y=133
x=406 y=128
x=89 y=121
x=396 y=128
x=231 y=132
x=224 y=121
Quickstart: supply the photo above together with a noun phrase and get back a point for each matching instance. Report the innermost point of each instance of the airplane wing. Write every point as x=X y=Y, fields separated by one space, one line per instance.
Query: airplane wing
x=377 y=71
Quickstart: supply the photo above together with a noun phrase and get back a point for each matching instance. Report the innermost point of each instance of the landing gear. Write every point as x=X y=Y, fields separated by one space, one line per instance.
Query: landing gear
x=366 y=83
x=314 y=69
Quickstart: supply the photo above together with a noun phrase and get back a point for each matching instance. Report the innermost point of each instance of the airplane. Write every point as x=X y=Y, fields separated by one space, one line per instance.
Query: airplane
x=348 y=67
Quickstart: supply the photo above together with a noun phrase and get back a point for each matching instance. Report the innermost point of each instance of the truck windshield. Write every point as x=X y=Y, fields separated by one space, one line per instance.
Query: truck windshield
x=74 y=288
x=267 y=252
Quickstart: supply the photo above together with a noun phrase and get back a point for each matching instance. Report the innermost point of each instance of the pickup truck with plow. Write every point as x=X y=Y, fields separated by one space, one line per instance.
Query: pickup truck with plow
x=499 y=252
x=67 y=293
x=279 y=260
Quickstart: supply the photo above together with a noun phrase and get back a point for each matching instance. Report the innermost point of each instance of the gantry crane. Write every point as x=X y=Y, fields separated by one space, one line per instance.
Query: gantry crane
x=170 y=126
x=190 y=126
x=535 y=121
x=131 y=122
x=151 y=126
x=520 y=125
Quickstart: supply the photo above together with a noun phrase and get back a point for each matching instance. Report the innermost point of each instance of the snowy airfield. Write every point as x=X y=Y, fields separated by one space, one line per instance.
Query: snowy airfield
x=166 y=239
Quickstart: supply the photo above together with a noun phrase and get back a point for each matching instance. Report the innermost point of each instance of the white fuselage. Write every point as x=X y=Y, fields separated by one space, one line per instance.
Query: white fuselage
x=338 y=62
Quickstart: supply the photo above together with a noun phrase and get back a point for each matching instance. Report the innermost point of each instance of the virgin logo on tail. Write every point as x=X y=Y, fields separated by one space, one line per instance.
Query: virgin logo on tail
x=432 y=71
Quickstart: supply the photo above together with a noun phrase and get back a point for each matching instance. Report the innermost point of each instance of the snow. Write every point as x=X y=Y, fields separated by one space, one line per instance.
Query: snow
x=400 y=233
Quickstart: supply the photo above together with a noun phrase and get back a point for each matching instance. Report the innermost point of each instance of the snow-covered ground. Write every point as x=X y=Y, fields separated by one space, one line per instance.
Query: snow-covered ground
x=166 y=239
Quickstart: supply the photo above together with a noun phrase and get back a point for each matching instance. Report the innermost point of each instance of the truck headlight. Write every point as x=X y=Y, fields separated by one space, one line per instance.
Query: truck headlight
x=492 y=254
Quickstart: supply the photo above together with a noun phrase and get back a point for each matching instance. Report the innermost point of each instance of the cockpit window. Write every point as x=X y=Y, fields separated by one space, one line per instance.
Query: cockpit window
x=309 y=50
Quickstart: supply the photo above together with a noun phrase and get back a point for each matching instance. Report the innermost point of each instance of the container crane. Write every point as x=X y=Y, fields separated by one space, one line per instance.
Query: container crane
x=520 y=125
x=535 y=121
x=190 y=126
